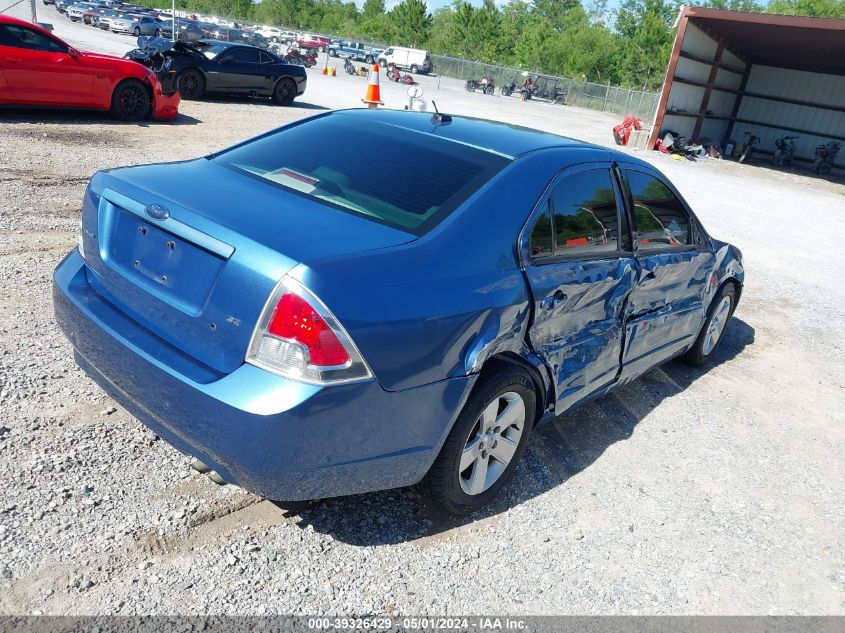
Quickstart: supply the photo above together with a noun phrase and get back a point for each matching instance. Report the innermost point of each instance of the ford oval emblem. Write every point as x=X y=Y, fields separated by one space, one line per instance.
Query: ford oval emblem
x=157 y=211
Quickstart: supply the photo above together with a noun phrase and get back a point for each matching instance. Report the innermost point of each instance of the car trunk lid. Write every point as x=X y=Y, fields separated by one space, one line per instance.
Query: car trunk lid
x=192 y=251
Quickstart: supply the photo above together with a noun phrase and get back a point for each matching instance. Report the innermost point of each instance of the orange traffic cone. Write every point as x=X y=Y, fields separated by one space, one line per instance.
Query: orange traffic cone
x=325 y=70
x=334 y=71
x=373 y=97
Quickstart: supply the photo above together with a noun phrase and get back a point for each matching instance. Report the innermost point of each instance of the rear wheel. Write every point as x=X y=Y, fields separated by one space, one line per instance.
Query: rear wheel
x=488 y=90
x=131 y=101
x=483 y=449
x=506 y=92
x=720 y=312
x=284 y=92
x=136 y=31
x=191 y=84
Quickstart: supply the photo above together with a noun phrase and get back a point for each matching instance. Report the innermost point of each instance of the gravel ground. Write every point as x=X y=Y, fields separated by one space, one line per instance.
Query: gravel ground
x=687 y=492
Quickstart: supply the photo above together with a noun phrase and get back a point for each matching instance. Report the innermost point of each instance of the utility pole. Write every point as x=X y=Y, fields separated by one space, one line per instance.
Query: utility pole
x=32 y=6
x=173 y=12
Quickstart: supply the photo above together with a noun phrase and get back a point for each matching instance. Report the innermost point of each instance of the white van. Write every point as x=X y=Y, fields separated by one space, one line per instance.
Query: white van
x=413 y=59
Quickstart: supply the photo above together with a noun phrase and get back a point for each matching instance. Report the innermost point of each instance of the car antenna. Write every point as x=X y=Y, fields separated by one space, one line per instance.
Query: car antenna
x=438 y=118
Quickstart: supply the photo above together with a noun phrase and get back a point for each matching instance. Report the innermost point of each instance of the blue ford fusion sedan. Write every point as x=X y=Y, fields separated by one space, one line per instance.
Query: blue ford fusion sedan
x=308 y=323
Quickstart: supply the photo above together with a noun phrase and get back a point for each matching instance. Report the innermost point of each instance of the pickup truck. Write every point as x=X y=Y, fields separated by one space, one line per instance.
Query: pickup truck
x=353 y=50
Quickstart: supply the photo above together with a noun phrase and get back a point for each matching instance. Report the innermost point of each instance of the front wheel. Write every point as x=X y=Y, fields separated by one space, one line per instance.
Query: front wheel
x=720 y=312
x=136 y=31
x=332 y=52
x=414 y=69
x=191 y=84
x=506 y=92
x=483 y=449
x=285 y=92
x=488 y=90
x=131 y=101
x=158 y=33
x=368 y=59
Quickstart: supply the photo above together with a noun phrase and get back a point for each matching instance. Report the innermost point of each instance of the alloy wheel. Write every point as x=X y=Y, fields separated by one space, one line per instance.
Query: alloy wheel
x=492 y=443
x=717 y=325
x=134 y=102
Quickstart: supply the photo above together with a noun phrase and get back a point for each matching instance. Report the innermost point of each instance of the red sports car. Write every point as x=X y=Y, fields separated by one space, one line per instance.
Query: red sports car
x=39 y=69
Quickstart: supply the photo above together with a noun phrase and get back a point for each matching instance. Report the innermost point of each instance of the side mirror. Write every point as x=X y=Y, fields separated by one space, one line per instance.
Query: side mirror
x=73 y=52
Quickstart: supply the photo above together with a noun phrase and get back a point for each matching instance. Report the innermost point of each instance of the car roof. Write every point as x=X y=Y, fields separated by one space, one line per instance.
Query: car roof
x=493 y=136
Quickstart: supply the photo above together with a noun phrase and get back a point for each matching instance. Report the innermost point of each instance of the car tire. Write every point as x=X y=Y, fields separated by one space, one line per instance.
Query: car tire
x=505 y=398
x=131 y=101
x=157 y=33
x=414 y=69
x=285 y=91
x=718 y=315
x=332 y=52
x=191 y=84
x=368 y=59
x=321 y=49
x=136 y=31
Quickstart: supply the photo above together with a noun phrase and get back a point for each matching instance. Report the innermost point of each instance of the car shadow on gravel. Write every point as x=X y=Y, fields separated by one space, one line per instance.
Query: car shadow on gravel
x=82 y=117
x=555 y=453
x=261 y=101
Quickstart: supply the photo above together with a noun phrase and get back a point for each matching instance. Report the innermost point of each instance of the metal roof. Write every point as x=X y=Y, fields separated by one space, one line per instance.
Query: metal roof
x=785 y=41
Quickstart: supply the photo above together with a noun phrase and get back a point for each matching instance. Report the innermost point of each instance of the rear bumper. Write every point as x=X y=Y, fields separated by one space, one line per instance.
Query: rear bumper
x=278 y=438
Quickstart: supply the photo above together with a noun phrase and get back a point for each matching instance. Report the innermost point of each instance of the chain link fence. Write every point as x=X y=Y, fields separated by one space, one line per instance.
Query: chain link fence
x=585 y=94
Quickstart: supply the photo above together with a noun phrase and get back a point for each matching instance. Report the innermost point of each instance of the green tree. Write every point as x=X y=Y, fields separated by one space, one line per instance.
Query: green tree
x=411 y=22
x=815 y=8
x=645 y=28
x=372 y=10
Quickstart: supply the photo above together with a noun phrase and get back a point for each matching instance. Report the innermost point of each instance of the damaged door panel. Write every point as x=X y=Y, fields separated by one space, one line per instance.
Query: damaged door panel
x=666 y=306
x=580 y=274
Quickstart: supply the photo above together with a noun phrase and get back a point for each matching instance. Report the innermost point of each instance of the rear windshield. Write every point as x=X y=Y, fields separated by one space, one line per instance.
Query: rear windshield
x=405 y=179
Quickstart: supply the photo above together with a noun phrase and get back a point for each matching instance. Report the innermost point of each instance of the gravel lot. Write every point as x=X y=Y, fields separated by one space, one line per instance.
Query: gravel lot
x=687 y=492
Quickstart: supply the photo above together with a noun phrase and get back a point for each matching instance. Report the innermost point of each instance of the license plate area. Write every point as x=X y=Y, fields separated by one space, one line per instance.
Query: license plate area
x=166 y=265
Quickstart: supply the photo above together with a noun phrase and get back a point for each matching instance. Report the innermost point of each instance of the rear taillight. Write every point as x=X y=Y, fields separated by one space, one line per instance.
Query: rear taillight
x=299 y=338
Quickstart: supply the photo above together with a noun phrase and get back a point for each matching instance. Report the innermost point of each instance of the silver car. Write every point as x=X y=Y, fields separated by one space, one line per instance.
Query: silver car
x=146 y=25
x=75 y=11
x=122 y=23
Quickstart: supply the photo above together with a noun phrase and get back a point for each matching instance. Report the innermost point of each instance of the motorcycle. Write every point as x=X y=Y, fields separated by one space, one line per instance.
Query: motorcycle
x=393 y=74
x=349 y=67
x=825 y=155
x=784 y=150
x=295 y=56
x=485 y=84
x=509 y=88
x=748 y=147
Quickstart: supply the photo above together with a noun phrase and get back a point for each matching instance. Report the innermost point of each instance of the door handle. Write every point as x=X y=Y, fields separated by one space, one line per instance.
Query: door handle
x=553 y=300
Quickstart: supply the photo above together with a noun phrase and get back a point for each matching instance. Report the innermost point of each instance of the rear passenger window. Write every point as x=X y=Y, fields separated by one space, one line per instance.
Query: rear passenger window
x=540 y=242
x=661 y=220
x=584 y=214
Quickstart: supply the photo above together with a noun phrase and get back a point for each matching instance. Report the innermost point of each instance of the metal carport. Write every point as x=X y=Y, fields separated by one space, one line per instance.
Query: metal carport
x=733 y=72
